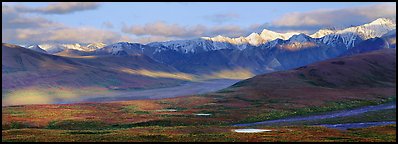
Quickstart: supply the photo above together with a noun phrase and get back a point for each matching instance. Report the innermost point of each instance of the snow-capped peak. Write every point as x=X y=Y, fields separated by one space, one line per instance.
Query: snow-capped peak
x=373 y=29
x=51 y=48
x=299 y=38
x=33 y=46
x=220 y=38
x=75 y=46
x=55 y=48
x=118 y=46
x=36 y=48
x=376 y=28
x=254 y=39
x=353 y=35
x=269 y=35
x=322 y=33
x=381 y=21
x=121 y=48
x=95 y=46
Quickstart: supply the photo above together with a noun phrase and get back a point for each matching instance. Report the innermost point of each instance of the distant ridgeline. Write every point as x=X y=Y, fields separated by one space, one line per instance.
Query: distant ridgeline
x=265 y=52
x=60 y=71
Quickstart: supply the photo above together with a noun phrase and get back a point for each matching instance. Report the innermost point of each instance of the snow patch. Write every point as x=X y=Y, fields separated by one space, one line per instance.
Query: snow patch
x=203 y=114
x=251 y=130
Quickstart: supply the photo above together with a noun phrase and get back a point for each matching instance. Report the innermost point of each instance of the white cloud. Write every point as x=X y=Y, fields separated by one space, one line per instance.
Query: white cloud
x=161 y=28
x=61 y=35
x=148 y=39
x=313 y=20
x=60 y=7
x=84 y=35
x=19 y=28
x=12 y=19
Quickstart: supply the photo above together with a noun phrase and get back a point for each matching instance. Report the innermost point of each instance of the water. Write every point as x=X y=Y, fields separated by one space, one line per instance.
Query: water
x=356 y=125
x=344 y=113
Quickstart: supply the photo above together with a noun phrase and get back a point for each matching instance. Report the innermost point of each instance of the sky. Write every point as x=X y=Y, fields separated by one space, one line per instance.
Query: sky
x=28 y=23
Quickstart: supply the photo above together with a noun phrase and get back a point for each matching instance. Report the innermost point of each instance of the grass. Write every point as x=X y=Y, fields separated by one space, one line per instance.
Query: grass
x=134 y=109
x=202 y=133
x=226 y=90
x=302 y=76
x=141 y=112
x=14 y=112
x=76 y=125
x=88 y=132
x=18 y=125
x=338 y=62
x=242 y=98
x=153 y=137
x=129 y=121
x=376 y=133
x=162 y=123
x=129 y=108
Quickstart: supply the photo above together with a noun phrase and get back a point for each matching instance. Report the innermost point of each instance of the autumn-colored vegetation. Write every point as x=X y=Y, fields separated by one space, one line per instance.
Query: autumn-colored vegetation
x=304 y=91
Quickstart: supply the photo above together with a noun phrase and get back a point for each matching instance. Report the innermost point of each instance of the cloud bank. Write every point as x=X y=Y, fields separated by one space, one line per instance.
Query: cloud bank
x=323 y=18
x=60 y=7
x=25 y=25
x=164 y=29
x=19 y=28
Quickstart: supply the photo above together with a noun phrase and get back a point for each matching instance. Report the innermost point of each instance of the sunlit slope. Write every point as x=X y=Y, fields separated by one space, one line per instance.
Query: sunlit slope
x=363 y=76
x=336 y=84
x=372 y=69
x=28 y=72
x=22 y=67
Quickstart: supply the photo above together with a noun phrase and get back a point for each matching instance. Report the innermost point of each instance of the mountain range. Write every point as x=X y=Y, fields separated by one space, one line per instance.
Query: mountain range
x=38 y=75
x=126 y=65
x=258 y=53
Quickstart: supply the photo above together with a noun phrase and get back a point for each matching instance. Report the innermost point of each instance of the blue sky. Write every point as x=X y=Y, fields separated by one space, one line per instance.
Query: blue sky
x=159 y=21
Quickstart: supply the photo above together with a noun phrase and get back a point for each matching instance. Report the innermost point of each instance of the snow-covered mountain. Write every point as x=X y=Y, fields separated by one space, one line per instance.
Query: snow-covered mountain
x=353 y=35
x=376 y=28
x=76 y=47
x=259 y=52
x=121 y=48
x=37 y=48
x=348 y=37
x=254 y=39
x=56 y=48
x=220 y=42
x=322 y=33
x=51 y=48
x=95 y=46
x=193 y=45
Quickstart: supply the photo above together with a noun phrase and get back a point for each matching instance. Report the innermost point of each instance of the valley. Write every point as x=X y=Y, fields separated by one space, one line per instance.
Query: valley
x=263 y=97
x=186 y=89
x=198 y=72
